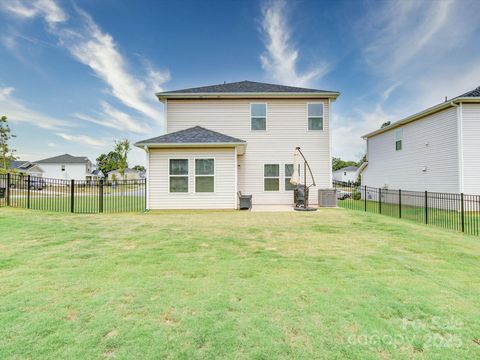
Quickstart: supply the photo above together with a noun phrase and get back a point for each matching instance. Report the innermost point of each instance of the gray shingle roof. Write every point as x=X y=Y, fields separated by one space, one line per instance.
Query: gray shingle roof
x=64 y=159
x=348 y=168
x=17 y=164
x=472 y=93
x=246 y=87
x=194 y=135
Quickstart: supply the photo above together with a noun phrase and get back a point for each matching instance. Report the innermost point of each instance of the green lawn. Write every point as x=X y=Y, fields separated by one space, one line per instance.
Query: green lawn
x=182 y=284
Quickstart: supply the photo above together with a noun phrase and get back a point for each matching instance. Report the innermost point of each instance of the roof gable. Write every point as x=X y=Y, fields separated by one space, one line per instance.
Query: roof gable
x=64 y=159
x=246 y=87
x=194 y=135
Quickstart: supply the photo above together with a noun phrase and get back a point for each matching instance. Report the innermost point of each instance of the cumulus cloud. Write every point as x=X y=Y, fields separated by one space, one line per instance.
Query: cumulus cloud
x=280 y=57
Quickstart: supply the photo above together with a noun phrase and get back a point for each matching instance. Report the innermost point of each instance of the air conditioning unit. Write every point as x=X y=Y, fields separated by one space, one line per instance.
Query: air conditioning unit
x=327 y=198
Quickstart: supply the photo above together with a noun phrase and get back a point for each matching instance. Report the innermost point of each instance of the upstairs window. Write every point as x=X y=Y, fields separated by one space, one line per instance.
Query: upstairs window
x=315 y=116
x=63 y=167
x=258 y=117
x=271 y=177
x=204 y=175
x=288 y=176
x=178 y=175
x=398 y=139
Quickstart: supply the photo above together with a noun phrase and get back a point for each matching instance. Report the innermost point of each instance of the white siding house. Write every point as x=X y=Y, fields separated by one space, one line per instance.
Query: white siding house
x=66 y=167
x=435 y=150
x=251 y=130
x=346 y=174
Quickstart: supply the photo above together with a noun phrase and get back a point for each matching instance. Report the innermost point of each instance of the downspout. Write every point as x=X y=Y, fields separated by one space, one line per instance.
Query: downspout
x=330 y=142
x=459 y=107
x=147 y=190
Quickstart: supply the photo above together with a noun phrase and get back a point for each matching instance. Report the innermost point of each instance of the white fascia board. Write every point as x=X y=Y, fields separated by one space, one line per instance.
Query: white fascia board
x=330 y=95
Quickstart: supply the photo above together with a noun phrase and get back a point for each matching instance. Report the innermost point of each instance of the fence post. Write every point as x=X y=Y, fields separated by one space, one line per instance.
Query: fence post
x=463 y=212
x=72 y=195
x=426 y=207
x=8 y=189
x=379 y=200
x=145 y=192
x=28 y=192
x=365 y=196
x=400 y=203
x=100 y=197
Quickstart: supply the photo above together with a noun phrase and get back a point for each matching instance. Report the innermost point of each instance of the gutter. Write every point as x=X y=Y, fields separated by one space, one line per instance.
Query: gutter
x=164 y=96
x=459 y=107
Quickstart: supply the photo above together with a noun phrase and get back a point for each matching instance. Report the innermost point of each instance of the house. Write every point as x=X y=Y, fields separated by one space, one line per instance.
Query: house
x=436 y=149
x=129 y=174
x=67 y=167
x=96 y=174
x=346 y=174
x=26 y=167
x=232 y=137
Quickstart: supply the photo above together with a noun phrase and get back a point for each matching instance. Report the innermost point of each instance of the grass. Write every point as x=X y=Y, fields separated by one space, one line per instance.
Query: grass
x=184 y=284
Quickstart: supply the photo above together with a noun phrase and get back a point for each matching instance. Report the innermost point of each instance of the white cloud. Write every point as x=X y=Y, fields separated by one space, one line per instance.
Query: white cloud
x=115 y=119
x=83 y=139
x=280 y=57
x=48 y=9
x=89 y=45
x=18 y=111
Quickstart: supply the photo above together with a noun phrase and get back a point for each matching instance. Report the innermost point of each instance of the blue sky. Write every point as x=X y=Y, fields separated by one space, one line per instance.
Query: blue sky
x=74 y=75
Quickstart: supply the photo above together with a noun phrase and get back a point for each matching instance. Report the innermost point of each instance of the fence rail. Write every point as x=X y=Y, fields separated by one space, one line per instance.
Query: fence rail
x=76 y=196
x=458 y=212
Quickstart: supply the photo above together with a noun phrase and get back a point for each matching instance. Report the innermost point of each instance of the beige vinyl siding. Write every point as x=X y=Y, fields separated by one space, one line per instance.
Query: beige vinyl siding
x=471 y=148
x=431 y=141
x=286 y=129
x=224 y=196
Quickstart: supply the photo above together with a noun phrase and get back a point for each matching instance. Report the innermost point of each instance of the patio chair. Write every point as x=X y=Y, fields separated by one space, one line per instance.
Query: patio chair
x=245 y=201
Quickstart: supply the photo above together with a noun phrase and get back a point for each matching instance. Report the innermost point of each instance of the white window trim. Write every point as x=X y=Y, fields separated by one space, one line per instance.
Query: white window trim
x=271 y=177
x=395 y=139
x=323 y=116
x=195 y=175
x=266 y=116
x=286 y=177
x=188 y=177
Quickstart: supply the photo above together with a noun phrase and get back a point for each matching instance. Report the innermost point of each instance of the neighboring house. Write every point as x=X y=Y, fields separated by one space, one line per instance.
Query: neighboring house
x=95 y=175
x=66 y=167
x=130 y=174
x=26 y=167
x=346 y=174
x=437 y=149
x=233 y=137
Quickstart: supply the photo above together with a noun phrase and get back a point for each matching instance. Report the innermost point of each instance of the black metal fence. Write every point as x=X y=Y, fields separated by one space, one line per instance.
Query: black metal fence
x=458 y=212
x=76 y=196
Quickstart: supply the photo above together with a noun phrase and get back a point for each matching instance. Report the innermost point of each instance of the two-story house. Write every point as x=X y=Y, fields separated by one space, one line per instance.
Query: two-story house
x=437 y=149
x=67 y=167
x=233 y=137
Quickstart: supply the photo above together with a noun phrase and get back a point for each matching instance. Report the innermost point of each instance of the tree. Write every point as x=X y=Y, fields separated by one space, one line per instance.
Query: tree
x=108 y=162
x=139 y=168
x=338 y=163
x=122 y=148
x=6 y=153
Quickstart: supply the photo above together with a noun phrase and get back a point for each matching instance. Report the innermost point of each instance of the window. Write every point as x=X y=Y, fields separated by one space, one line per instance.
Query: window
x=315 y=116
x=288 y=176
x=204 y=175
x=258 y=115
x=271 y=181
x=63 y=167
x=398 y=139
x=178 y=174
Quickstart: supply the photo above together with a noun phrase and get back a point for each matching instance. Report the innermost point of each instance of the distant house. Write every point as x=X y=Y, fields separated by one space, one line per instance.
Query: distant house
x=436 y=149
x=96 y=175
x=130 y=174
x=346 y=174
x=67 y=167
x=27 y=168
